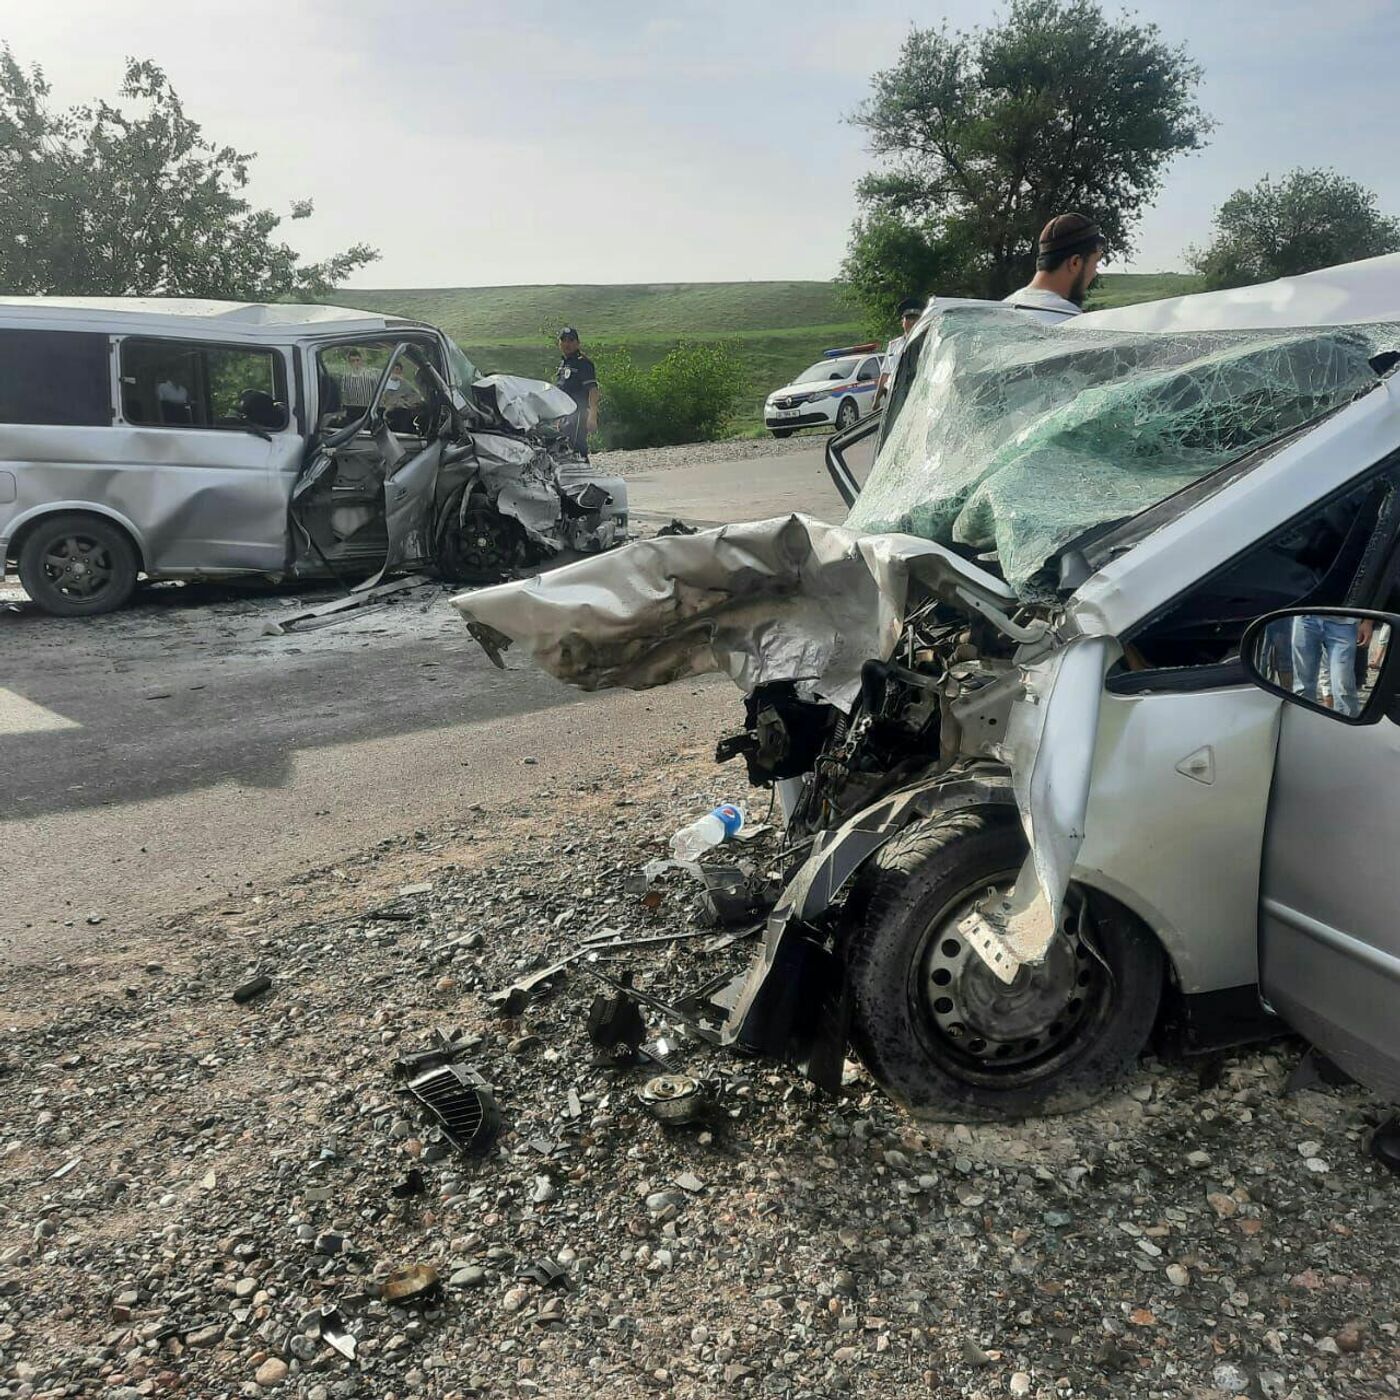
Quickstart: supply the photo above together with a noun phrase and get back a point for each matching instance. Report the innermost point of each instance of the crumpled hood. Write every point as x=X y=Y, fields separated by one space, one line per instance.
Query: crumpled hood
x=790 y=598
x=524 y=403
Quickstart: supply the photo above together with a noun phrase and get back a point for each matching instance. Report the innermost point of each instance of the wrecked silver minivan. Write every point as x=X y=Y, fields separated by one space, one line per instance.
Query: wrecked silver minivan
x=202 y=439
x=1038 y=810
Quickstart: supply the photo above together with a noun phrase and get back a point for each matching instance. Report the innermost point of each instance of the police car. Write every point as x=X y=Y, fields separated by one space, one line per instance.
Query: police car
x=836 y=391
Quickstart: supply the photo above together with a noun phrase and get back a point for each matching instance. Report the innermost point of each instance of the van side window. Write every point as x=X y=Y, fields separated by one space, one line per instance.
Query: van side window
x=61 y=378
x=187 y=384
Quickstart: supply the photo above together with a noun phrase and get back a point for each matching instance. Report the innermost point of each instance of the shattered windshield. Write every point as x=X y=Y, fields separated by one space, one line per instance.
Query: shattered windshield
x=463 y=371
x=827 y=369
x=1014 y=438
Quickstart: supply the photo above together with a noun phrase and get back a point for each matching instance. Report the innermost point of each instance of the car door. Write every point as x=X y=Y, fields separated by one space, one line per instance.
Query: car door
x=867 y=382
x=210 y=439
x=1328 y=933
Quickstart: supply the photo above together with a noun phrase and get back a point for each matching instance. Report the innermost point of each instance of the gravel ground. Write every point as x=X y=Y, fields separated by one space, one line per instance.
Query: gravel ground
x=184 y=1181
x=660 y=459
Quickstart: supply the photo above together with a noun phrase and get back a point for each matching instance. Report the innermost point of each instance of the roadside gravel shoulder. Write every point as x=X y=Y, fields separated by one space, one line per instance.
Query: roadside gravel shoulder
x=186 y=1182
x=660 y=459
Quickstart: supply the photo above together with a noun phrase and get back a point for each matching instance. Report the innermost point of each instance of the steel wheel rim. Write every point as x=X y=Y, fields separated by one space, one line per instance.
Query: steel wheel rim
x=79 y=566
x=957 y=1000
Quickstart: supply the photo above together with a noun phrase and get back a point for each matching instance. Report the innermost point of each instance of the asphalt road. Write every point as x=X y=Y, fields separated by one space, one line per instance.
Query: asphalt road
x=173 y=753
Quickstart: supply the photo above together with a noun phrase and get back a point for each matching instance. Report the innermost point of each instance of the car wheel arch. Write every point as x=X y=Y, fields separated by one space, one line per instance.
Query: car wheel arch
x=31 y=521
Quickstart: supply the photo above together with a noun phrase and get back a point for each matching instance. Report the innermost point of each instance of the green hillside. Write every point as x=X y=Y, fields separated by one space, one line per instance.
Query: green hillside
x=777 y=327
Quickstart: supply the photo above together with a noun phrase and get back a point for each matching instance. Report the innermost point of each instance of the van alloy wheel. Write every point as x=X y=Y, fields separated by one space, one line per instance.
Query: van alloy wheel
x=77 y=565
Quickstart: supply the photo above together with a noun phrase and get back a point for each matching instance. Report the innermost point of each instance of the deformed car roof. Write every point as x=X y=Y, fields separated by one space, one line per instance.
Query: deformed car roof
x=1346 y=295
x=227 y=320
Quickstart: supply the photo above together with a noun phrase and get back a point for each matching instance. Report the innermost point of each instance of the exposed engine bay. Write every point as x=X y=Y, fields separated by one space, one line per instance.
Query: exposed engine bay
x=906 y=721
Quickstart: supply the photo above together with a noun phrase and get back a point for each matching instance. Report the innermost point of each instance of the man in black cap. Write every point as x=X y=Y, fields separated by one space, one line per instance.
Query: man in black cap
x=579 y=380
x=910 y=309
x=1067 y=261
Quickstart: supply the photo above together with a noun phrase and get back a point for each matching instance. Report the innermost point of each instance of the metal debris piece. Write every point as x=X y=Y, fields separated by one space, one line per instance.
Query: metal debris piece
x=616 y=1025
x=335 y=1333
x=412 y=1184
x=461 y=1101
x=413 y=1285
x=1385 y=1143
x=677 y=527
x=668 y=1009
x=675 y=1098
x=1316 y=1071
x=714 y=999
x=65 y=1169
x=735 y=897
x=446 y=1045
x=512 y=1000
x=314 y=616
x=546 y=1273
x=254 y=988
x=659 y=1052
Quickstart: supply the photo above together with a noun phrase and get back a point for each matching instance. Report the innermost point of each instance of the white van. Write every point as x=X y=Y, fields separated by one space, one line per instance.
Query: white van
x=205 y=439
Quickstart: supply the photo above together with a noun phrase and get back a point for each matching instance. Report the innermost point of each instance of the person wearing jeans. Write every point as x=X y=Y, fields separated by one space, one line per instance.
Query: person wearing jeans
x=1333 y=639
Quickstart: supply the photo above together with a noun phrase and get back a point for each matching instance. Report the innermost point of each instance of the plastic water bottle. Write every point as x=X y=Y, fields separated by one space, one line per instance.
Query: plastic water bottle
x=719 y=825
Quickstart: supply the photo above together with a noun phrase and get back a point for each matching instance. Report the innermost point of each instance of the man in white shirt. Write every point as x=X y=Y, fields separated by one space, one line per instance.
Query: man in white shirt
x=1067 y=261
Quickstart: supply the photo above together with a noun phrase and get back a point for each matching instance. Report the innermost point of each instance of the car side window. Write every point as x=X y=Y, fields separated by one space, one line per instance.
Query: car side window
x=869 y=371
x=348 y=374
x=1315 y=560
x=60 y=378
x=187 y=384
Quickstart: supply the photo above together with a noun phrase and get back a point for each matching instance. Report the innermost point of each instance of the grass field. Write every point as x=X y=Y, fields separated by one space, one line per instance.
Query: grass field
x=777 y=328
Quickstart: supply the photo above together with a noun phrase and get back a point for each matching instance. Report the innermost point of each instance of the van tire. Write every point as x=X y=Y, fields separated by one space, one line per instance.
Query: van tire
x=76 y=565
x=1100 y=992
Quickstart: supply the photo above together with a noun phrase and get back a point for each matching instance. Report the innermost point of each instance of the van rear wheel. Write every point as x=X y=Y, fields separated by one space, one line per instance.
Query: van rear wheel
x=941 y=1033
x=77 y=566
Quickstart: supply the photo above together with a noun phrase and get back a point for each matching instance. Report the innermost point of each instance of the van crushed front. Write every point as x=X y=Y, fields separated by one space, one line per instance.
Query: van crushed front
x=472 y=487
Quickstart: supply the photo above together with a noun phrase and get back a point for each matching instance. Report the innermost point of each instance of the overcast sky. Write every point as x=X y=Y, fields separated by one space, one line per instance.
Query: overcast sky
x=621 y=141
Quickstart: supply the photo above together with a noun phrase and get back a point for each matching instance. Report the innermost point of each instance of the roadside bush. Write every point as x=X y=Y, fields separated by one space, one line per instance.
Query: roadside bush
x=687 y=396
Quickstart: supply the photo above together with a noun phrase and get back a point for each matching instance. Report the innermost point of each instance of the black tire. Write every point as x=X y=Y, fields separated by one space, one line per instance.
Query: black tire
x=782 y=432
x=479 y=544
x=77 y=565
x=846 y=415
x=1058 y=1037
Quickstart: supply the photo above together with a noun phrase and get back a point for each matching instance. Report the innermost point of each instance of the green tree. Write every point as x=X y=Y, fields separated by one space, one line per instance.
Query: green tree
x=983 y=136
x=131 y=199
x=890 y=259
x=1279 y=228
x=687 y=396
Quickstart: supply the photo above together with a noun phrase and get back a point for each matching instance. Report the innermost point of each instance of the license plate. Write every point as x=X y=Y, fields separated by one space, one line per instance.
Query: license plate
x=786 y=412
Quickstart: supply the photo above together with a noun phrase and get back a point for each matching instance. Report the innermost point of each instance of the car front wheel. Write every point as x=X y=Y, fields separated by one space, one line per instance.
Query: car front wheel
x=947 y=1038
x=782 y=432
x=846 y=415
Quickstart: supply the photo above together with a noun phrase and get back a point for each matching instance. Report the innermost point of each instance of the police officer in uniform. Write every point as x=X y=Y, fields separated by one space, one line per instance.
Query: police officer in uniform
x=579 y=380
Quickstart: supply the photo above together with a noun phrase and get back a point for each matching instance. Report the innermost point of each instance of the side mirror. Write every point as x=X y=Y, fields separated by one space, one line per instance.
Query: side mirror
x=1337 y=661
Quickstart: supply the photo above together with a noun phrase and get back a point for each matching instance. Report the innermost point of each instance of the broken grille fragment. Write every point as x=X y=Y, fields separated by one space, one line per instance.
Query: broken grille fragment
x=461 y=1102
